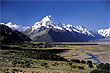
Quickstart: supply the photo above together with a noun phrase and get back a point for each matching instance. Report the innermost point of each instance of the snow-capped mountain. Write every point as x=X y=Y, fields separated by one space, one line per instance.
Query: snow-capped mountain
x=78 y=29
x=16 y=27
x=47 y=23
x=47 y=30
x=104 y=32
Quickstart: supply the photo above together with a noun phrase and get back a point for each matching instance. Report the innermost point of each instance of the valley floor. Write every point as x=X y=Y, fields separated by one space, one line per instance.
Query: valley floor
x=36 y=57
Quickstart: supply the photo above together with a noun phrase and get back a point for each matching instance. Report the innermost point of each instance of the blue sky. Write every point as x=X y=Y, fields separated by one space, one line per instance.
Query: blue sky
x=90 y=14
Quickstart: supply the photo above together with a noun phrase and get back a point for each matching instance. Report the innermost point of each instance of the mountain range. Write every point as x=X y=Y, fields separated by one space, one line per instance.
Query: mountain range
x=48 y=31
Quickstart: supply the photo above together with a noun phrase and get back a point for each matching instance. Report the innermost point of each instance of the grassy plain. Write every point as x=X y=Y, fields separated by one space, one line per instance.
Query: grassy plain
x=36 y=57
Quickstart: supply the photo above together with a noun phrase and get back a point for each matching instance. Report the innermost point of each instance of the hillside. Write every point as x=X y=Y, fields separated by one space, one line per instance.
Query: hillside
x=9 y=35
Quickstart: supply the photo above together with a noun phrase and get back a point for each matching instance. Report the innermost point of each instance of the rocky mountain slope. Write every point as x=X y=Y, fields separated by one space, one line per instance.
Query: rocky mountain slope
x=16 y=27
x=7 y=35
x=48 y=31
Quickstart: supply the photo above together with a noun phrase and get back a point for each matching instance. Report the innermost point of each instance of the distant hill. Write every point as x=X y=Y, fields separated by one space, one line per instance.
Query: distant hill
x=103 y=40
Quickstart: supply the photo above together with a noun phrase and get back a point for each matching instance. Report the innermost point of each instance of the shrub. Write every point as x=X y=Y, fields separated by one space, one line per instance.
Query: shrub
x=33 y=71
x=102 y=68
x=74 y=66
x=47 y=45
x=81 y=67
x=83 y=62
x=95 y=71
x=91 y=66
x=14 y=63
x=55 y=64
x=26 y=64
x=89 y=62
x=40 y=45
x=16 y=70
x=44 y=64
x=70 y=64
x=13 y=72
x=6 y=72
x=75 y=60
x=22 y=63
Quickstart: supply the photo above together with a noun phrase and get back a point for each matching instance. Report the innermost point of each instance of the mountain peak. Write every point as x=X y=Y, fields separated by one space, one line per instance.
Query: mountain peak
x=47 y=18
x=104 y=32
x=9 y=23
x=47 y=23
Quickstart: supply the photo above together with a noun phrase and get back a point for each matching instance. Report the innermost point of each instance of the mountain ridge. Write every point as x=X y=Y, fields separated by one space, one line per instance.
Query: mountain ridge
x=47 y=28
x=48 y=23
x=104 y=32
x=10 y=35
x=15 y=26
x=56 y=33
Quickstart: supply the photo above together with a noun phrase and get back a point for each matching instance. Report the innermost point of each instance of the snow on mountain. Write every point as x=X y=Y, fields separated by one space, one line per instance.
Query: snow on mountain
x=78 y=29
x=16 y=27
x=47 y=23
x=84 y=30
x=104 y=32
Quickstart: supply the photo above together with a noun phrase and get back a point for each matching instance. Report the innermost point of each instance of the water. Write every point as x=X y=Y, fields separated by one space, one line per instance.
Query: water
x=94 y=57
